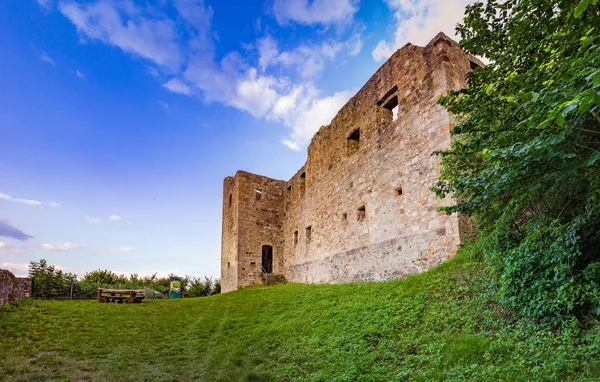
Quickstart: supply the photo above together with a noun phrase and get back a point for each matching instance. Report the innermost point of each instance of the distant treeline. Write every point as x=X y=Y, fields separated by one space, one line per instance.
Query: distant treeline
x=50 y=282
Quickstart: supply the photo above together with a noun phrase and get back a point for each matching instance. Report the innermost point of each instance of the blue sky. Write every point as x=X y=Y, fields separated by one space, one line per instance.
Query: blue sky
x=120 y=119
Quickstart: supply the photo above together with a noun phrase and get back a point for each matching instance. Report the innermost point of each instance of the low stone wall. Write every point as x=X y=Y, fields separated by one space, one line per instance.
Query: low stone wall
x=13 y=288
x=387 y=260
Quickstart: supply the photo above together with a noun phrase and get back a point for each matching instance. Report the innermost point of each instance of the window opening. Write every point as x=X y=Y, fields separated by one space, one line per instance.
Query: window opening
x=353 y=142
x=295 y=237
x=344 y=216
x=302 y=183
x=362 y=213
x=474 y=65
x=258 y=194
x=308 y=234
x=399 y=191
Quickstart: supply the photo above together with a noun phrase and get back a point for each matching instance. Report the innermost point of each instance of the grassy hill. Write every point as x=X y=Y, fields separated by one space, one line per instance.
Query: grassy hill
x=440 y=325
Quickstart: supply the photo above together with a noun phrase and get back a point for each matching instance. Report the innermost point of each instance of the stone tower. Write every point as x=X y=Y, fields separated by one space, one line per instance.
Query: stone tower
x=360 y=209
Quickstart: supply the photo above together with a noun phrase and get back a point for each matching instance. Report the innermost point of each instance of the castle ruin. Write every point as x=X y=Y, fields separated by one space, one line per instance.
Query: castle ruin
x=361 y=208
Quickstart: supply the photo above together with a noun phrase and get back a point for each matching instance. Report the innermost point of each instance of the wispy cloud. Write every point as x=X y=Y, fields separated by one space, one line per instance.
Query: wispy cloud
x=79 y=74
x=7 y=230
x=261 y=84
x=92 y=220
x=176 y=86
x=45 y=3
x=29 y=202
x=7 y=249
x=61 y=247
x=306 y=12
x=95 y=220
x=124 y=249
x=44 y=57
x=308 y=60
x=121 y=24
x=163 y=104
x=18 y=270
x=419 y=21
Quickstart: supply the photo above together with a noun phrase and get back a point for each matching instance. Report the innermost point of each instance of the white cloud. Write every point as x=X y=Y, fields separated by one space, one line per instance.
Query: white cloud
x=19 y=270
x=418 y=21
x=262 y=87
x=44 y=57
x=111 y=218
x=163 y=104
x=45 y=3
x=308 y=60
x=9 y=249
x=199 y=17
x=176 y=86
x=314 y=12
x=382 y=51
x=233 y=83
x=121 y=24
x=304 y=111
x=124 y=249
x=60 y=247
x=29 y=202
x=92 y=220
x=267 y=51
x=79 y=74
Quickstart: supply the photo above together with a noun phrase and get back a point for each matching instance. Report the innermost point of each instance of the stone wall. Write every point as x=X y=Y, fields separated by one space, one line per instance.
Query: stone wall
x=13 y=288
x=361 y=208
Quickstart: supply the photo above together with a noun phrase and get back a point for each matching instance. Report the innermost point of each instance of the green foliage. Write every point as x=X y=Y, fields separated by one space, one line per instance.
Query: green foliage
x=49 y=281
x=101 y=277
x=525 y=160
x=439 y=325
x=198 y=287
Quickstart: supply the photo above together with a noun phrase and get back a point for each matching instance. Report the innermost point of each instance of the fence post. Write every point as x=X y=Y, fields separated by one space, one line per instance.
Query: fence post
x=71 y=296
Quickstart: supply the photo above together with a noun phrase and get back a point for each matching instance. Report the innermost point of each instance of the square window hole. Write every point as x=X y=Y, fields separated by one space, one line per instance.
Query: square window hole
x=362 y=213
x=398 y=191
x=258 y=194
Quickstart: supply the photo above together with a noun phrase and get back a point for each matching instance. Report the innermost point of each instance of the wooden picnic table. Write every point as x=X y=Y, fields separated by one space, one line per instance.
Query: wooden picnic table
x=129 y=296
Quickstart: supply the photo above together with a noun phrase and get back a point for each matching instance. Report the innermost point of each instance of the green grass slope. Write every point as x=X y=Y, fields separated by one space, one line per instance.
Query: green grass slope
x=440 y=325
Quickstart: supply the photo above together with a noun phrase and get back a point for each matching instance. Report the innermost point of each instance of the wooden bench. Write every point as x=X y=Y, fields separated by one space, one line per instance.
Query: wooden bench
x=128 y=296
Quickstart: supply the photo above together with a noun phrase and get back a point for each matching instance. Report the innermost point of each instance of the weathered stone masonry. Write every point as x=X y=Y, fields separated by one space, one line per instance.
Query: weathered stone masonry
x=13 y=288
x=360 y=209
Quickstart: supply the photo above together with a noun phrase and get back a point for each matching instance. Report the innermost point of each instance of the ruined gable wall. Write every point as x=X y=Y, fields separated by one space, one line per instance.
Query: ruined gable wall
x=401 y=234
x=260 y=223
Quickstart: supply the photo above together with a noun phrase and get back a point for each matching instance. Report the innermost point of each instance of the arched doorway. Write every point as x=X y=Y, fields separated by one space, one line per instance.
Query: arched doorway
x=267 y=258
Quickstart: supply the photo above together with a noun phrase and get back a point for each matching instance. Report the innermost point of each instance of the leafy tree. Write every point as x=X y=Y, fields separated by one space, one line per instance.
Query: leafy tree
x=101 y=277
x=525 y=160
x=48 y=281
x=199 y=287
